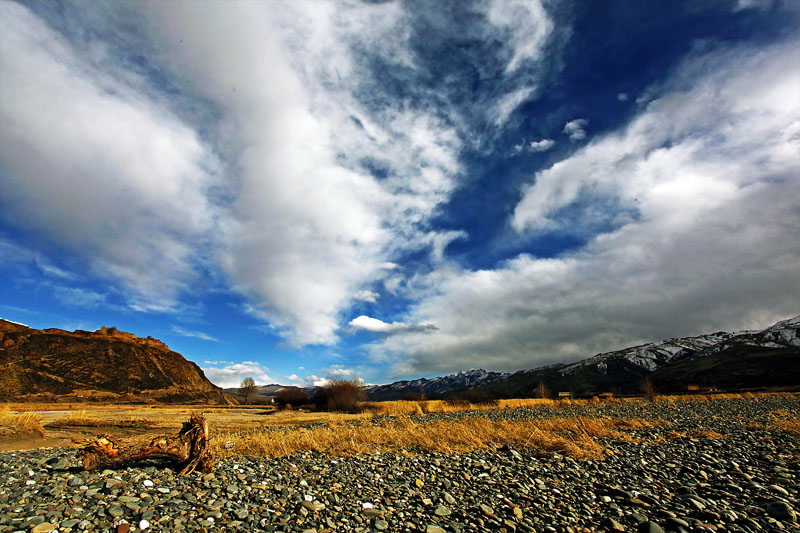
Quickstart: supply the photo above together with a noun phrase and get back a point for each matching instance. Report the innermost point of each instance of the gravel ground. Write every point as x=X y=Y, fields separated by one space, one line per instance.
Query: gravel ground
x=671 y=478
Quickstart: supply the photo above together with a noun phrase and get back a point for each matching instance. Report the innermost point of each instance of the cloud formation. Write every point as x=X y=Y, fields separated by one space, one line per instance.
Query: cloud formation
x=194 y=334
x=366 y=323
x=231 y=375
x=311 y=225
x=707 y=240
x=542 y=146
x=82 y=144
x=576 y=129
x=261 y=142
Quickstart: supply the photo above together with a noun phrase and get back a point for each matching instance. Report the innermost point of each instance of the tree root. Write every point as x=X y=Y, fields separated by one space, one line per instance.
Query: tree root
x=189 y=450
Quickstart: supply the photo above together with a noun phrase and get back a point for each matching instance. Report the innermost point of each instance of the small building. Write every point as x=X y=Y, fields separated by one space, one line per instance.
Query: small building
x=606 y=395
x=565 y=395
x=693 y=388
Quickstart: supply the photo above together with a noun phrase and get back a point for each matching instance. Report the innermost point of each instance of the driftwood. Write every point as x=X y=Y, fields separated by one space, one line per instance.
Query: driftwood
x=189 y=450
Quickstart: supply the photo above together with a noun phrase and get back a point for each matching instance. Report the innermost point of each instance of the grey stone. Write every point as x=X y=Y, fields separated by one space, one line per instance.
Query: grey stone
x=649 y=527
x=781 y=511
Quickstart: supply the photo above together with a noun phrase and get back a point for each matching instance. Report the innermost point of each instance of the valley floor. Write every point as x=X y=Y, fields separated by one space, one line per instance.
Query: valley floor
x=701 y=465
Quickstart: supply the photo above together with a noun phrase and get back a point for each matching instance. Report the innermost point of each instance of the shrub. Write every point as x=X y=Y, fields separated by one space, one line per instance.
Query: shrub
x=648 y=390
x=418 y=396
x=470 y=397
x=542 y=391
x=340 y=395
x=288 y=398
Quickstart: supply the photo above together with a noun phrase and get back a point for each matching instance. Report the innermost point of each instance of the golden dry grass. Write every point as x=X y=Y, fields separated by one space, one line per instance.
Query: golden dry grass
x=84 y=419
x=705 y=434
x=20 y=423
x=411 y=407
x=571 y=436
x=785 y=421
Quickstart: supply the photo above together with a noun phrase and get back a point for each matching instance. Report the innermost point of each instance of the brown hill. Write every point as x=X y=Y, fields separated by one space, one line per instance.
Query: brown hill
x=106 y=364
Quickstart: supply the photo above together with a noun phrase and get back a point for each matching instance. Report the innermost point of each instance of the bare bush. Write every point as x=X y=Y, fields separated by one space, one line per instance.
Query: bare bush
x=542 y=391
x=288 y=398
x=340 y=395
x=648 y=390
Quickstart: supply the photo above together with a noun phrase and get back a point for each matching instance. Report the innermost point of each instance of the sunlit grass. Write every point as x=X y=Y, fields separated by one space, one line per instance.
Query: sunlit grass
x=20 y=423
x=575 y=437
x=85 y=419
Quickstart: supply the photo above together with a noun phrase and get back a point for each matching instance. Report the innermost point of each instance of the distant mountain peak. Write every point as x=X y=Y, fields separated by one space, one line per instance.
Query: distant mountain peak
x=735 y=357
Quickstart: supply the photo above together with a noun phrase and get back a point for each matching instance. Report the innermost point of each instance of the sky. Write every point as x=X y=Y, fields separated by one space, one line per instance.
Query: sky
x=298 y=191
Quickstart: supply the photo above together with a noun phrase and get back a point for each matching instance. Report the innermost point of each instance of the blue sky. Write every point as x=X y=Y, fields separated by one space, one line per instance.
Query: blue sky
x=297 y=191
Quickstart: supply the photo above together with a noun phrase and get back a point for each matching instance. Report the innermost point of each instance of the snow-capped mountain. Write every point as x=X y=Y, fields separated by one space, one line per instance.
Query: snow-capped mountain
x=744 y=359
x=436 y=386
x=655 y=355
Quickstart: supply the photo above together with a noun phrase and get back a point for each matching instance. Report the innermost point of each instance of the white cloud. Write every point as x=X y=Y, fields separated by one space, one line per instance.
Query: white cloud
x=310 y=225
x=366 y=296
x=576 y=129
x=195 y=334
x=509 y=102
x=366 y=323
x=81 y=144
x=542 y=146
x=317 y=381
x=622 y=97
x=231 y=375
x=710 y=168
x=525 y=26
x=78 y=297
x=339 y=371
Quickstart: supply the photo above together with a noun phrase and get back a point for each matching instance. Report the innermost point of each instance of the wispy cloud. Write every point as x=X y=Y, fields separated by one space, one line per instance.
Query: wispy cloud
x=73 y=296
x=366 y=296
x=195 y=334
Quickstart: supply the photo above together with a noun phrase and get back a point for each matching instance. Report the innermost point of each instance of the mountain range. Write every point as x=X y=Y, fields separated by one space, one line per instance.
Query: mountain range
x=721 y=360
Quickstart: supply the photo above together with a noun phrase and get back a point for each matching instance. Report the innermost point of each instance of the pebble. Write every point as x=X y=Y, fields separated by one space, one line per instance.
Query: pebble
x=663 y=478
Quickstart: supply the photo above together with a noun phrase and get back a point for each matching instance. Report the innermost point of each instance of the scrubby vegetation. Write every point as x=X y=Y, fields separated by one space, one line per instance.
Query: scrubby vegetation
x=20 y=423
x=340 y=395
x=292 y=398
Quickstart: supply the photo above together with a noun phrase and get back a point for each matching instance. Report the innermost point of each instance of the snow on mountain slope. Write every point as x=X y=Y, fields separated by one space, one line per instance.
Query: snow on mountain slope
x=439 y=385
x=657 y=354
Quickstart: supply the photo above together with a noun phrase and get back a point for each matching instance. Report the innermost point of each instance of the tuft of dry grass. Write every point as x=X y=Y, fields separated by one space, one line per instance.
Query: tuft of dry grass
x=571 y=436
x=785 y=421
x=20 y=423
x=636 y=423
x=705 y=434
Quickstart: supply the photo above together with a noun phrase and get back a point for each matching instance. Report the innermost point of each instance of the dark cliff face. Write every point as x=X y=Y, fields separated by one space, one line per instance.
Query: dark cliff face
x=83 y=364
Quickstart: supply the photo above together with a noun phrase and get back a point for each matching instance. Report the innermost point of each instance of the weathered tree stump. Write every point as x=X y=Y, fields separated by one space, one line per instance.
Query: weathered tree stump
x=189 y=450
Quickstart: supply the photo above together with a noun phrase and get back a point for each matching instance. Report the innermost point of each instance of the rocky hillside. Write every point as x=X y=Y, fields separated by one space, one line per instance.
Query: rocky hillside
x=106 y=364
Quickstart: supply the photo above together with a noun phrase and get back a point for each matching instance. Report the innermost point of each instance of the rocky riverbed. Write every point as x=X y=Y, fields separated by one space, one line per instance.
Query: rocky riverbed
x=719 y=465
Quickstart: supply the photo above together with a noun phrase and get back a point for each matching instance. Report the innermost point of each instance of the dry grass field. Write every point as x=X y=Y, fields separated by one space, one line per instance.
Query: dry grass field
x=380 y=427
